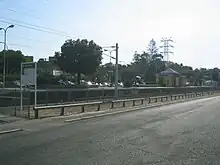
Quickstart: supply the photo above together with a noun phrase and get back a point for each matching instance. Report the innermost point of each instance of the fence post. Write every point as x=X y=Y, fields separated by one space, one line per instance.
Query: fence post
x=123 y=103
x=98 y=109
x=36 y=113
x=142 y=101
x=103 y=93
x=46 y=93
x=15 y=108
x=83 y=109
x=133 y=102
x=112 y=106
x=62 y=111
x=29 y=104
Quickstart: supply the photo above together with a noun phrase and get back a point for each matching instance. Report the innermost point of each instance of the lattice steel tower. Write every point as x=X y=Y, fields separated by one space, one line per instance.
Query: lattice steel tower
x=166 y=47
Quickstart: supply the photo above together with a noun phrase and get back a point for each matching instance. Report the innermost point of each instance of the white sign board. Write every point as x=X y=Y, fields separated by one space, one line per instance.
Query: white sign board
x=28 y=74
x=29 y=77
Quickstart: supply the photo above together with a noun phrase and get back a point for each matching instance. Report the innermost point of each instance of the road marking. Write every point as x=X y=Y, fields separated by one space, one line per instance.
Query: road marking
x=11 y=131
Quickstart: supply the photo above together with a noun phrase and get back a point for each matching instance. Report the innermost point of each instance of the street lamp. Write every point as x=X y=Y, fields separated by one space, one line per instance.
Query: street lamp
x=5 y=32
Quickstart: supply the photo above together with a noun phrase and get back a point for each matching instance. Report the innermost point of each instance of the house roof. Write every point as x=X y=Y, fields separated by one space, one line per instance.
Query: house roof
x=169 y=71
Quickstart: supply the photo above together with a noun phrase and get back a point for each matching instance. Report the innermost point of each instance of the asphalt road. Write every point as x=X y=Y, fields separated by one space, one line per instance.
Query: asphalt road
x=185 y=133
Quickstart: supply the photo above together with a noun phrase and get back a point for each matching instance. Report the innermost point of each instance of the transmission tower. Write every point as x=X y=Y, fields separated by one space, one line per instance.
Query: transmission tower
x=166 y=47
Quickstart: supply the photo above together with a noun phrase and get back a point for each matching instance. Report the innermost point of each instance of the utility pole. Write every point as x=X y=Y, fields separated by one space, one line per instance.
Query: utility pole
x=116 y=66
x=166 y=47
x=116 y=72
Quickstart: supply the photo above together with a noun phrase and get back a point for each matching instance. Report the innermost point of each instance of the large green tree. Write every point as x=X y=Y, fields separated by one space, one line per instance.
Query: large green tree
x=13 y=61
x=79 y=57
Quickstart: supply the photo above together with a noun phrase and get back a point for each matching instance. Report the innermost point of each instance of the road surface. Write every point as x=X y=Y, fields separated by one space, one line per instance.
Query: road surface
x=184 y=133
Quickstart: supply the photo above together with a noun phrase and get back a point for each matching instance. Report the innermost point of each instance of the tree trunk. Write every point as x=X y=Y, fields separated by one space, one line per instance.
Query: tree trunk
x=78 y=78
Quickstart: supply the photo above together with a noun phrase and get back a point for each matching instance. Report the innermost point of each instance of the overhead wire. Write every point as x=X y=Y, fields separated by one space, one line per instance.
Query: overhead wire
x=34 y=28
x=37 y=26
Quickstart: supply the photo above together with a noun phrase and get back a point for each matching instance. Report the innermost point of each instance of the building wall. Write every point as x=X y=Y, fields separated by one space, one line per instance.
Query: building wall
x=182 y=82
x=49 y=67
x=168 y=81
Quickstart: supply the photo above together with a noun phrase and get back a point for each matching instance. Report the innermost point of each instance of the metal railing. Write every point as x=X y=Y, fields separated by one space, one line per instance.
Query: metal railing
x=62 y=106
x=149 y=100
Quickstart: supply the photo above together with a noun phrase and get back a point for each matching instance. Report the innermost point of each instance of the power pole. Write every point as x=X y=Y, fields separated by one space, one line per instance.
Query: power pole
x=116 y=73
x=166 y=47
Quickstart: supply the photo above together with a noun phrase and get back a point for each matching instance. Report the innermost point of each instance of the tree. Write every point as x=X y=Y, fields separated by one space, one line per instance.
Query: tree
x=13 y=61
x=149 y=63
x=79 y=57
x=152 y=48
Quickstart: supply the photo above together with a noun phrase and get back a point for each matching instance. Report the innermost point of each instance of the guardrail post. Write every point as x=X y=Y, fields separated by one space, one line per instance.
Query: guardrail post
x=123 y=104
x=62 y=111
x=36 y=113
x=142 y=101
x=133 y=102
x=83 y=109
x=98 y=109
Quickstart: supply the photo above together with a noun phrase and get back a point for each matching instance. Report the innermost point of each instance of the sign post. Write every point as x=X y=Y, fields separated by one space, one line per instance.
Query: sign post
x=28 y=78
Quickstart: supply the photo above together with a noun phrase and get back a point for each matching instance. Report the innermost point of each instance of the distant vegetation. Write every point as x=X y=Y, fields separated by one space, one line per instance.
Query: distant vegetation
x=81 y=59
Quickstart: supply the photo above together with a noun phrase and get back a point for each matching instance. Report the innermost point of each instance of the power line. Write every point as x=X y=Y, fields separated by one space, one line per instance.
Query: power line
x=108 y=56
x=113 y=58
x=34 y=28
x=12 y=44
x=26 y=46
x=30 y=39
x=38 y=26
x=23 y=13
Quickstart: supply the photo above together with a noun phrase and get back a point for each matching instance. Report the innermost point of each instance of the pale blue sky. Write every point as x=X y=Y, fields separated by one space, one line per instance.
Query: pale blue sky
x=193 y=24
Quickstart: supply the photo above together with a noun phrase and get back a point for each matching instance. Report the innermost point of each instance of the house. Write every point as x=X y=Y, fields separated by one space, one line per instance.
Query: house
x=48 y=66
x=170 y=78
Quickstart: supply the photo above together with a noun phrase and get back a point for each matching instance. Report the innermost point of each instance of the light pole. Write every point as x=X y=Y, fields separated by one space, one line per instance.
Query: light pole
x=5 y=32
x=4 y=44
x=116 y=72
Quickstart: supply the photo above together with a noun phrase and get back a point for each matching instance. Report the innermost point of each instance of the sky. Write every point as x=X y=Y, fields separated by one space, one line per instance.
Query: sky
x=192 y=24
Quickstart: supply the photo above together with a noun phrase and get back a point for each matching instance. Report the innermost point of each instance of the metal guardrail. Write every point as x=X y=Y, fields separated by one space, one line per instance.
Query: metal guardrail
x=127 y=100
x=123 y=101
x=62 y=106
